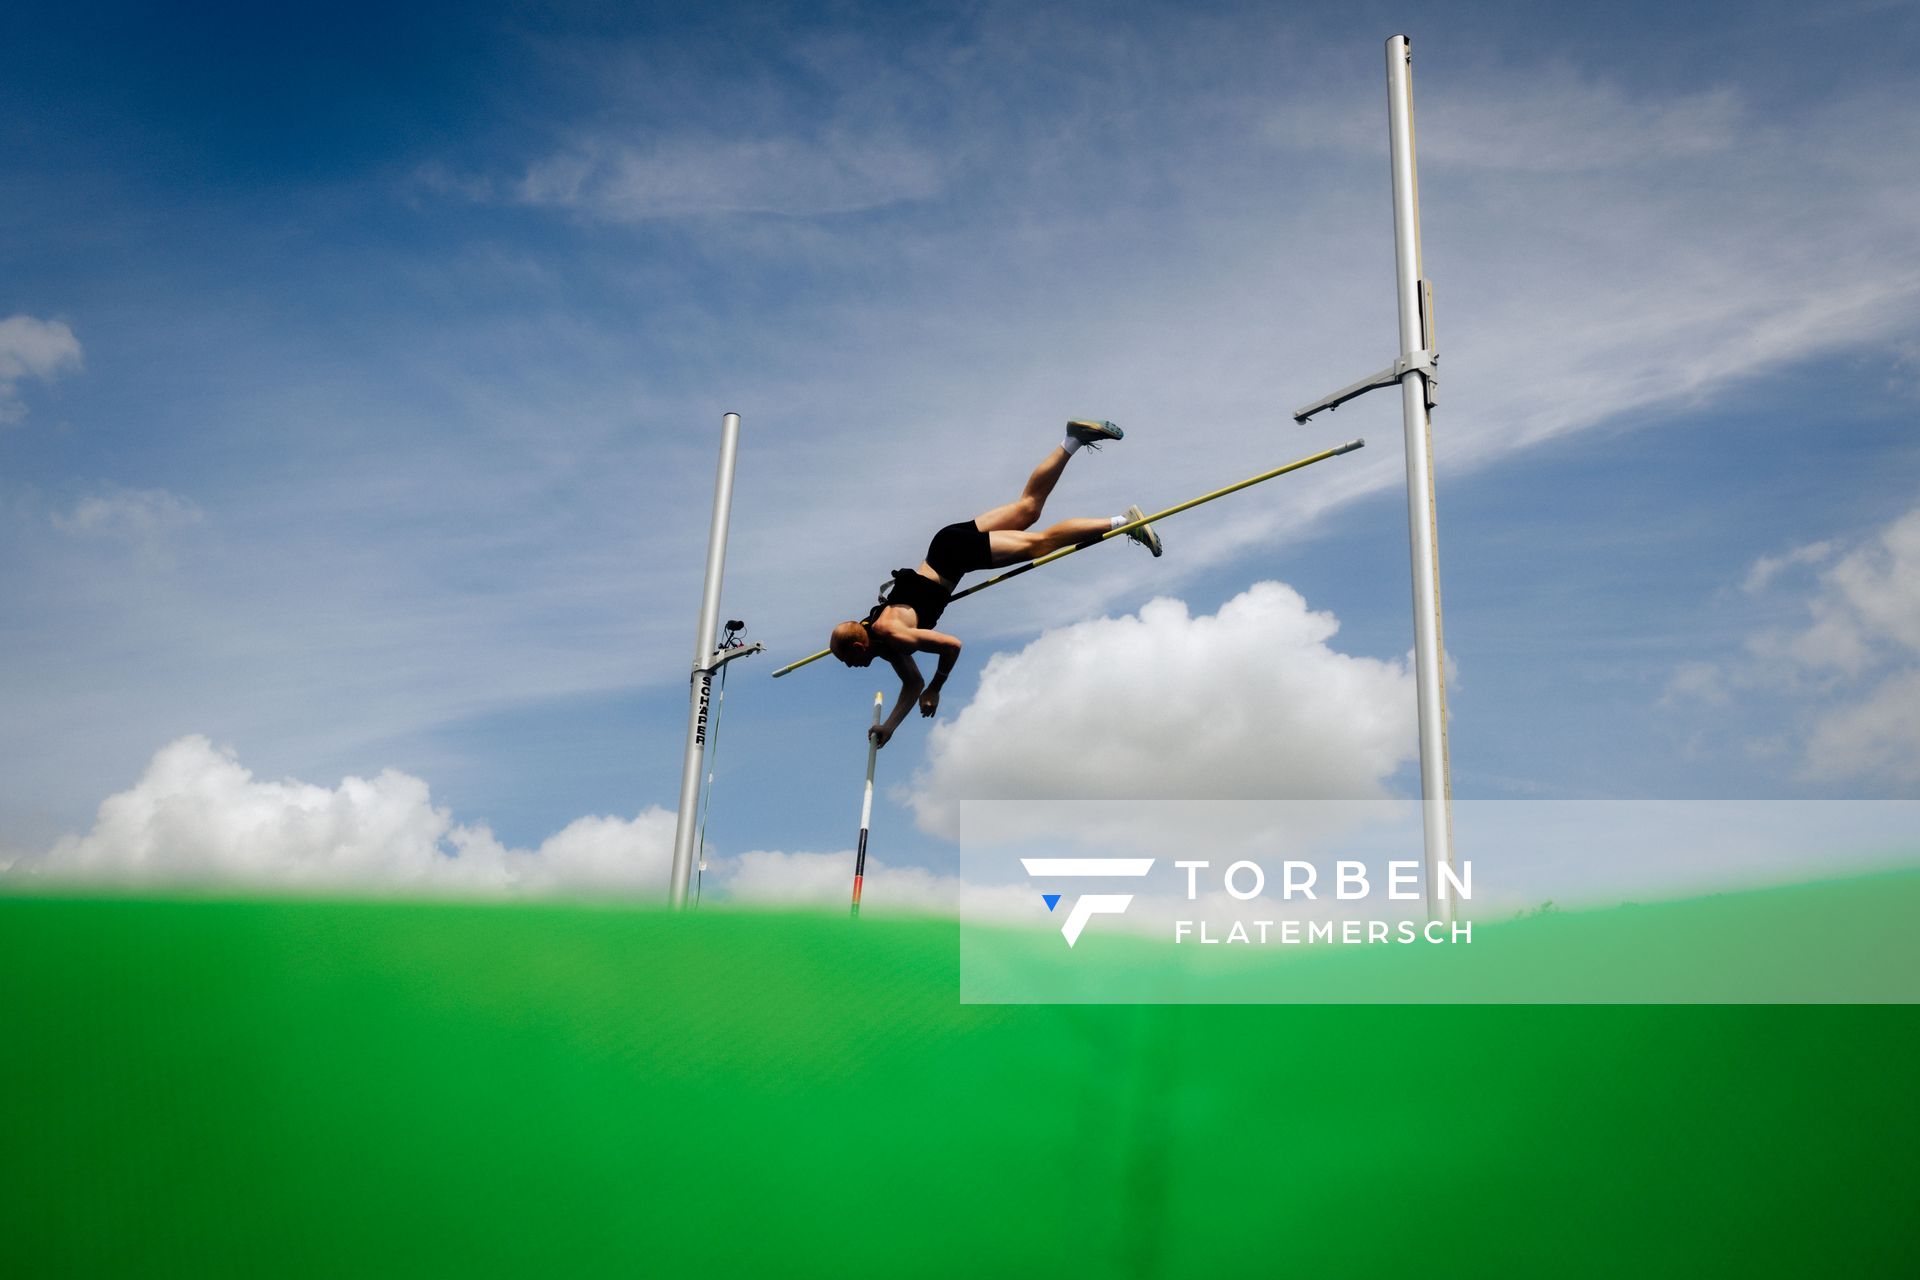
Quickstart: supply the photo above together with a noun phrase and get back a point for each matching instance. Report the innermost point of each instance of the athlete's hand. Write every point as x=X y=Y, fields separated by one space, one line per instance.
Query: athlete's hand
x=880 y=733
x=929 y=702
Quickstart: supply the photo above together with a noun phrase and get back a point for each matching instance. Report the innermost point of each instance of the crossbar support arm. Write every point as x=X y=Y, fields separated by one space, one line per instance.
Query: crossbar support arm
x=721 y=657
x=1426 y=361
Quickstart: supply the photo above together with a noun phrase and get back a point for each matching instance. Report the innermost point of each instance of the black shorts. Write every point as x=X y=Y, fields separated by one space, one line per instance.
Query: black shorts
x=957 y=549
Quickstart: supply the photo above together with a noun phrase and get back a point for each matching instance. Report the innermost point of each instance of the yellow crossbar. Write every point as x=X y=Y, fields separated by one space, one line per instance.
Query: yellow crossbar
x=1121 y=531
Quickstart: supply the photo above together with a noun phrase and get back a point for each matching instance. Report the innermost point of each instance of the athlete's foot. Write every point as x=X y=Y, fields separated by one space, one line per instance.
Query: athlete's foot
x=1091 y=431
x=1142 y=534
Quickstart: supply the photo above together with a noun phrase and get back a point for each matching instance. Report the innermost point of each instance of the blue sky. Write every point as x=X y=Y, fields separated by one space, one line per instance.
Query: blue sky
x=364 y=371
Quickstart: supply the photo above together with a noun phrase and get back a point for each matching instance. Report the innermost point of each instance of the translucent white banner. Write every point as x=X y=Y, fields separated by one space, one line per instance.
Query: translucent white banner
x=1181 y=901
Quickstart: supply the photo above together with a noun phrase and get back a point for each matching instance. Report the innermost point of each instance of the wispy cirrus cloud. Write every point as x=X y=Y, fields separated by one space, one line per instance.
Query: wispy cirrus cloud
x=833 y=125
x=1541 y=120
x=1600 y=252
x=145 y=520
x=793 y=176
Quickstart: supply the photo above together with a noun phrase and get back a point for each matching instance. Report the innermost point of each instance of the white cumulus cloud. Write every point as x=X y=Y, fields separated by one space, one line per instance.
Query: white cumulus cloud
x=197 y=816
x=1855 y=658
x=1875 y=737
x=1248 y=702
x=1863 y=609
x=1868 y=612
x=763 y=877
x=1767 y=569
x=32 y=348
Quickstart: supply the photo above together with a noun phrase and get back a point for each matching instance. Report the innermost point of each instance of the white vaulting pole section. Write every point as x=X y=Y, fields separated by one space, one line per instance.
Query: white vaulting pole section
x=685 y=824
x=1416 y=334
x=866 y=809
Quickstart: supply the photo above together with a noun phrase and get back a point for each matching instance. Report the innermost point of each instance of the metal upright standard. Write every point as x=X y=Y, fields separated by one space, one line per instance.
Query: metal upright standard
x=1417 y=374
x=706 y=661
x=866 y=809
x=731 y=647
x=1122 y=530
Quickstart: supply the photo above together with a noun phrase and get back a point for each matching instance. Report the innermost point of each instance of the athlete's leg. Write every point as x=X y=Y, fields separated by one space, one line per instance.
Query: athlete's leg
x=1023 y=511
x=1012 y=546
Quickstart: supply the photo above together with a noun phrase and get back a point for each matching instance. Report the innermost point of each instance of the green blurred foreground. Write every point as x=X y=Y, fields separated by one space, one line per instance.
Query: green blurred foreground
x=273 y=1088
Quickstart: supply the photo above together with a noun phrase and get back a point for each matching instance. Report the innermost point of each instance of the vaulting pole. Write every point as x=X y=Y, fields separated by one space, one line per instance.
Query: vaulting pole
x=1416 y=335
x=866 y=809
x=1122 y=530
x=685 y=822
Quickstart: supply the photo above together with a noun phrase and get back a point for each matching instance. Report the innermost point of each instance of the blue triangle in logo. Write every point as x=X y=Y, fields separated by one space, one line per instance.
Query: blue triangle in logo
x=1051 y=899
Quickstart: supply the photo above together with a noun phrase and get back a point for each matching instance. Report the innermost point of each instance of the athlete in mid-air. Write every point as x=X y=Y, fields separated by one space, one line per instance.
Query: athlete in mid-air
x=902 y=624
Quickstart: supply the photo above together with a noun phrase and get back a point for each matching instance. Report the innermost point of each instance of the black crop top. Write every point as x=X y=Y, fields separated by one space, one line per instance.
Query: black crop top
x=927 y=598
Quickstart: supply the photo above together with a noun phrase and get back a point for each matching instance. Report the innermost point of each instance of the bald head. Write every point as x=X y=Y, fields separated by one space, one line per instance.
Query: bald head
x=851 y=643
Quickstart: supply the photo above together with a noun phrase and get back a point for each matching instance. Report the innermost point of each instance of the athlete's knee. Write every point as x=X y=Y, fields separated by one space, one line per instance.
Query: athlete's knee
x=1010 y=545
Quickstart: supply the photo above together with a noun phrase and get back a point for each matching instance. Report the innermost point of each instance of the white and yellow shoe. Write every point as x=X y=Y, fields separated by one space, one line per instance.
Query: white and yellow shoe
x=1091 y=431
x=1142 y=534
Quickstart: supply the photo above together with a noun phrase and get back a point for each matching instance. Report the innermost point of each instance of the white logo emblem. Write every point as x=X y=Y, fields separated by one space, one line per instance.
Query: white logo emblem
x=1088 y=905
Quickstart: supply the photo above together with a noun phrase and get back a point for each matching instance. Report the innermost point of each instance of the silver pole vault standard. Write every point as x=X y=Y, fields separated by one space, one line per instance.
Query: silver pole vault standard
x=731 y=647
x=1417 y=374
x=1121 y=531
x=705 y=663
x=866 y=809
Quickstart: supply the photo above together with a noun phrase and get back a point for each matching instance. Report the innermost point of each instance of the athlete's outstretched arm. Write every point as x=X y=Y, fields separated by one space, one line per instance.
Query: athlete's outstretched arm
x=948 y=649
x=910 y=685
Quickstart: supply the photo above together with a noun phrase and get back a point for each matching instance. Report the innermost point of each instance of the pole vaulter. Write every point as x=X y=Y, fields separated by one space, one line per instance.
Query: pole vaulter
x=1129 y=527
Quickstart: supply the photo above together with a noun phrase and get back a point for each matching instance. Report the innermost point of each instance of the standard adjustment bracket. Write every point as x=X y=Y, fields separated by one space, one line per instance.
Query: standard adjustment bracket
x=1425 y=362
x=721 y=657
